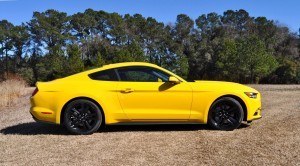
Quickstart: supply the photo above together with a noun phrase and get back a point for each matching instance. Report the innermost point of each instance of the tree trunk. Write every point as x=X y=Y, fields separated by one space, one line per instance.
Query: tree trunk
x=6 y=63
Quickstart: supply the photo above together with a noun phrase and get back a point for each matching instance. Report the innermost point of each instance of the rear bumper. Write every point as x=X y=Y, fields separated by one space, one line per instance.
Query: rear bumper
x=42 y=114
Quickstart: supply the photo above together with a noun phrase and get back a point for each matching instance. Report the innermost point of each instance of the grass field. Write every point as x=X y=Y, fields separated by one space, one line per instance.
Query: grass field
x=272 y=140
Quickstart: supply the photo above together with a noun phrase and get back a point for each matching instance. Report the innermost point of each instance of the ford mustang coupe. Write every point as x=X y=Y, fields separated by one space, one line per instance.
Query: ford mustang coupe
x=144 y=93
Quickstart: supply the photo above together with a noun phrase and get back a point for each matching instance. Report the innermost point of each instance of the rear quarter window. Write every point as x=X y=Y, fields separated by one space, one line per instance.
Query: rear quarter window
x=105 y=75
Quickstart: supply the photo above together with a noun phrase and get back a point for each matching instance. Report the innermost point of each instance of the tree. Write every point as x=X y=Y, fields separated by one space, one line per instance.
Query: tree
x=286 y=73
x=209 y=37
x=227 y=62
x=98 y=60
x=233 y=46
x=51 y=28
x=134 y=28
x=20 y=40
x=184 y=44
x=74 y=63
x=116 y=29
x=83 y=25
x=254 y=60
x=6 y=41
x=237 y=22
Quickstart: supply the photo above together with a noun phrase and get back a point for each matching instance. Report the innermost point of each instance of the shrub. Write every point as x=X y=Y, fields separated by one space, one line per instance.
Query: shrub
x=11 y=90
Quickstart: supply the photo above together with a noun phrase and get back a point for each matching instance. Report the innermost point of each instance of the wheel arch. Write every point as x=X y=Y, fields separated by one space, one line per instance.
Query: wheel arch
x=243 y=104
x=62 y=113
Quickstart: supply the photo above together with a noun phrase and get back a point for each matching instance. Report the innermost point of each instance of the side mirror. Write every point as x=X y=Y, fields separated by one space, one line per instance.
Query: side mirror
x=174 y=80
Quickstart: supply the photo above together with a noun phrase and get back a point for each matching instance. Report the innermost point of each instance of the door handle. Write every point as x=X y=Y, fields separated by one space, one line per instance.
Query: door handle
x=127 y=90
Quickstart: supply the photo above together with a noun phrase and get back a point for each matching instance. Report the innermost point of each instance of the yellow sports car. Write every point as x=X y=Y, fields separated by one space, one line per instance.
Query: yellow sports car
x=144 y=93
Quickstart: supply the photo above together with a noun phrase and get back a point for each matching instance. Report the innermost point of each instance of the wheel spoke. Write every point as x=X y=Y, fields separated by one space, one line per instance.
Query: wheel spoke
x=222 y=122
x=75 y=124
x=231 y=109
x=219 y=120
x=231 y=120
x=91 y=116
x=75 y=112
x=87 y=125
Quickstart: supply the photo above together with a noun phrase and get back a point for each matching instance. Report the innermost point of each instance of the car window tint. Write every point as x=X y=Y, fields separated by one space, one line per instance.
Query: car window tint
x=106 y=75
x=142 y=74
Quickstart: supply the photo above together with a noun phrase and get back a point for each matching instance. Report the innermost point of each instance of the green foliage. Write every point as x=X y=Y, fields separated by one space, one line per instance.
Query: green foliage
x=183 y=67
x=6 y=45
x=227 y=62
x=74 y=63
x=254 y=59
x=50 y=27
x=20 y=37
x=136 y=52
x=287 y=73
x=55 y=65
x=233 y=46
x=123 y=56
x=27 y=75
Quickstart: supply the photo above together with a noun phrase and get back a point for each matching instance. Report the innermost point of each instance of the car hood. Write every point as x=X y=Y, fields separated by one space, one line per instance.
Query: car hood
x=221 y=86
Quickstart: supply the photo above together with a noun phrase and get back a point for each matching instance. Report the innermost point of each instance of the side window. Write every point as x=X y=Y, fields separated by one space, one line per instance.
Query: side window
x=142 y=74
x=105 y=75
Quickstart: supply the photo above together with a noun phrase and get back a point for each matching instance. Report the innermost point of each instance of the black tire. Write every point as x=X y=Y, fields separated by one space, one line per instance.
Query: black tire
x=82 y=117
x=225 y=114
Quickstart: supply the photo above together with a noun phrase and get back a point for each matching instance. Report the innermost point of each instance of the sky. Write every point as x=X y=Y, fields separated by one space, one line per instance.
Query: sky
x=286 y=12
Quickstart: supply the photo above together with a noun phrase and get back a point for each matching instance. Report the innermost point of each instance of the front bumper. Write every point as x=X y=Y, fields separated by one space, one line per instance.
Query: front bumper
x=256 y=114
x=254 y=109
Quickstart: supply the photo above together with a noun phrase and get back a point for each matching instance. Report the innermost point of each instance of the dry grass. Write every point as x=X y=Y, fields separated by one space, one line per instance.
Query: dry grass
x=272 y=140
x=10 y=91
x=276 y=87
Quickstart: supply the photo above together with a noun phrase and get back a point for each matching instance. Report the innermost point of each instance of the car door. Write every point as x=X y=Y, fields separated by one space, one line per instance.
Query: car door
x=145 y=94
x=103 y=86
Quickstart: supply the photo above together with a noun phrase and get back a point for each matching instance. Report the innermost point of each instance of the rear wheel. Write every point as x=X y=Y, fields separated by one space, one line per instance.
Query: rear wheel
x=225 y=114
x=82 y=117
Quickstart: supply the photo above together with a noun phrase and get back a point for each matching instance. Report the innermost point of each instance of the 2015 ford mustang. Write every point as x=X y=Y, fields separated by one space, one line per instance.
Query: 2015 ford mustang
x=141 y=92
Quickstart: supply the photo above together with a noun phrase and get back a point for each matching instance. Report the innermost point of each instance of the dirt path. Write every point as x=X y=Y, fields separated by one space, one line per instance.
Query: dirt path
x=273 y=140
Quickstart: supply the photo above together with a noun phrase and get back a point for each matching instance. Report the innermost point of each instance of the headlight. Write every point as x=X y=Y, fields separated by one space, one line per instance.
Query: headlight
x=251 y=95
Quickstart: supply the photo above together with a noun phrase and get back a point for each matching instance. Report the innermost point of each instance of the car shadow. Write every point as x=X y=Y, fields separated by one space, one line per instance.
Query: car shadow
x=37 y=128
x=155 y=127
x=161 y=127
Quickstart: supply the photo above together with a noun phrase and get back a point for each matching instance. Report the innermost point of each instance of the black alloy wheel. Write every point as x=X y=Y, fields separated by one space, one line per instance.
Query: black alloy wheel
x=82 y=117
x=225 y=114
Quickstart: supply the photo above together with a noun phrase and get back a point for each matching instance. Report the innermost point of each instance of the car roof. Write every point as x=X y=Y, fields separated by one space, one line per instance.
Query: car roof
x=123 y=64
x=114 y=65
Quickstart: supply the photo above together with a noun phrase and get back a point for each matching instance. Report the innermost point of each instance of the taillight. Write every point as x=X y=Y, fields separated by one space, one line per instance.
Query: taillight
x=34 y=92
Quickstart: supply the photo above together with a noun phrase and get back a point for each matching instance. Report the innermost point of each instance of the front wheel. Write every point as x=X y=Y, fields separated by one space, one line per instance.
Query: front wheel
x=82 y=117
x=225 y=114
